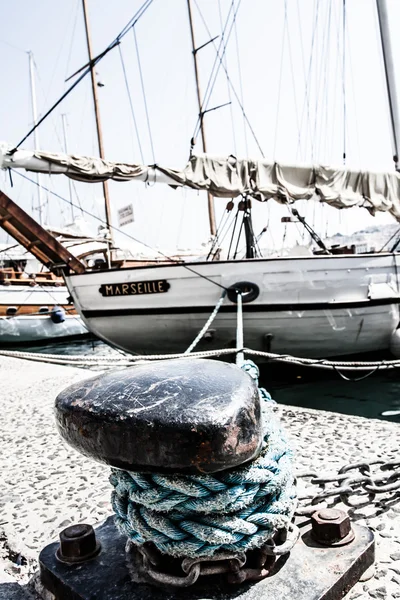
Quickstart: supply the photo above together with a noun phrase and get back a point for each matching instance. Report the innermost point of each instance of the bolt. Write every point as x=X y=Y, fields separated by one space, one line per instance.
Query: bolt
x=77 y=544
x=331 y=527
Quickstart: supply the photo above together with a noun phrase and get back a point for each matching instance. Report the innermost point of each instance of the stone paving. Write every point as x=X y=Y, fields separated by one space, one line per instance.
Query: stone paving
x=47 y=486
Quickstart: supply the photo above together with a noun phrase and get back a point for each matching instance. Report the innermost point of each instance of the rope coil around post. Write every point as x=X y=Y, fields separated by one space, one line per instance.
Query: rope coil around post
x=203 y=515
x=194 y=516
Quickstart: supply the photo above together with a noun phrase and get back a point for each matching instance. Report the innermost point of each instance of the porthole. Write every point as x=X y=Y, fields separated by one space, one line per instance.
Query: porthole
x=11 y=311
x=43 y=309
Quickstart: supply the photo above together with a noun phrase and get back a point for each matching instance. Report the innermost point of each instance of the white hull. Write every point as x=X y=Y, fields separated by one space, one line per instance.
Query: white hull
x=30 y=328
x=314 y=306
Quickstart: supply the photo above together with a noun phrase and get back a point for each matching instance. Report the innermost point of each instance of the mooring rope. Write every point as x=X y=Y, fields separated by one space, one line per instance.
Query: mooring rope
x=207 y=324
x=203 y=515
x=129 y=360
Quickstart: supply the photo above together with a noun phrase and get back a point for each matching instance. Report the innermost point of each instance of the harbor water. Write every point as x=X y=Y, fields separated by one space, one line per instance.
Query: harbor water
x=370 y=396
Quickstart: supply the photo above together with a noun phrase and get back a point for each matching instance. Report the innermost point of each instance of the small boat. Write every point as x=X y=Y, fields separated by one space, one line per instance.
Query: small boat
x=35 y=309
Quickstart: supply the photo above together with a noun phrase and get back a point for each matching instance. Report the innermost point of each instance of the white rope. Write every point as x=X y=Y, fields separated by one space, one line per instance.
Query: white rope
x=239 y=330
x=129 y=360
x=207 y=324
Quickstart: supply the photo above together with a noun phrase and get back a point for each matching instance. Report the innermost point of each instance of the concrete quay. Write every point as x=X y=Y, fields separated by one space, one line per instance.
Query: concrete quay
x=47 y=486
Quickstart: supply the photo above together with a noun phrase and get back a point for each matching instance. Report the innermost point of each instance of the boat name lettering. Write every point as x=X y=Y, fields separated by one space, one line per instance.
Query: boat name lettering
x=157 y=286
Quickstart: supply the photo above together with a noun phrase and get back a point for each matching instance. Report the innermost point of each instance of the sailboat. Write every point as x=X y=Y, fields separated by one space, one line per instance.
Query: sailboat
x=317 y=305
x=35 y=305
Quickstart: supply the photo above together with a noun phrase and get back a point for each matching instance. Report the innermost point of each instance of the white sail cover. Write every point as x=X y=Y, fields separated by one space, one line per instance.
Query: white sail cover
x=231 y=177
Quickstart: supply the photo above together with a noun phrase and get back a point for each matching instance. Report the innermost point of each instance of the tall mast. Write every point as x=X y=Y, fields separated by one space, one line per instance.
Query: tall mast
x=97 y=115
x=36 y=132
x=211 y=208
x=387 y=50
x=64 y=122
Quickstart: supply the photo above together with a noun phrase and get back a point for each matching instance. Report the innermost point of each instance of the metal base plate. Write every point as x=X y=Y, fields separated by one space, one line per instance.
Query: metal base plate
x=310 y=572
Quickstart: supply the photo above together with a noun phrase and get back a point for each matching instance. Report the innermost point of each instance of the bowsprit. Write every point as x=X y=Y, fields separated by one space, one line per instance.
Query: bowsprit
x=203 y=493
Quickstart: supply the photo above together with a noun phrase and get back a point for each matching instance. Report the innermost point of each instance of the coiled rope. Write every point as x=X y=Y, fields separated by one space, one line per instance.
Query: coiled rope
x=203 y=515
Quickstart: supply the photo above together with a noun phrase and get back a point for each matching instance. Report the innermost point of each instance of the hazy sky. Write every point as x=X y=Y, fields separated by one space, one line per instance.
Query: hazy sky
x=285 y=63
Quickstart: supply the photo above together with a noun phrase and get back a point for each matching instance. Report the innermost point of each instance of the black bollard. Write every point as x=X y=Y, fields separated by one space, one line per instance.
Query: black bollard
x=187 y=416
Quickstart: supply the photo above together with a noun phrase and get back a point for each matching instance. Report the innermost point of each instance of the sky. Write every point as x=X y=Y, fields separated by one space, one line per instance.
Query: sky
x=286 y=69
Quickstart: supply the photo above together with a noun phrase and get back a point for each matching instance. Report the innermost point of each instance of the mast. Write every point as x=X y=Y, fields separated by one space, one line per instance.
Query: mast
x=35 y=133
x=64 y=122
x=210 y=199
x=388 y=60
x=97 y=115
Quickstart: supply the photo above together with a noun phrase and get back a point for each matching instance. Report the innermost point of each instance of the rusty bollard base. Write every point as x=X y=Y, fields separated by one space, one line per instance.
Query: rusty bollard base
x=312 y=571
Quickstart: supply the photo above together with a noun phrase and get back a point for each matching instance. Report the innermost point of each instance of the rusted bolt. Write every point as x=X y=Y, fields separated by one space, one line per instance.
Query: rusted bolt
x=77 y=544
x=331 y=527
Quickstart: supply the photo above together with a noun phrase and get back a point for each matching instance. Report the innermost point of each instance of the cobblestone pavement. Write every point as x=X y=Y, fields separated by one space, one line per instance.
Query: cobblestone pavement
x=47 y=486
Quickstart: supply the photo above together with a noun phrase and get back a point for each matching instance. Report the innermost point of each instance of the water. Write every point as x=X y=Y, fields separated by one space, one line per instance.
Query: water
x=309 y=388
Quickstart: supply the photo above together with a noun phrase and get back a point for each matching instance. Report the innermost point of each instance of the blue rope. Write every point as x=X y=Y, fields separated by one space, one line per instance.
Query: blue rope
x=200 y=515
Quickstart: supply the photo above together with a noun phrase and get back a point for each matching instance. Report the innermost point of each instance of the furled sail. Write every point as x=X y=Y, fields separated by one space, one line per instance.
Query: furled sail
x=231 y=177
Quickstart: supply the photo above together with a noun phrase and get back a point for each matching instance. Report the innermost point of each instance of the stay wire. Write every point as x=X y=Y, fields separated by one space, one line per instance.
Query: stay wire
x=87 y=68
x=336 y=80
x=220 y=228
x=239 y=236
x=144 y=94
x=320 y=83
x=240 y=85
x=226 y=227
x=233 y=88
x=215 y=68
x=233 y=232
x=225 y=233
x=306 y=103
x=344 y=81
x=131 y=103
x=228 y=87
x=102 y=221
x=396 y=233
x=278 y=104
x=325 y=102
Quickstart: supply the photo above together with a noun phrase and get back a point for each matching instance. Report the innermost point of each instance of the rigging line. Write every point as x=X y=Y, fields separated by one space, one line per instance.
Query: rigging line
x=292 y=70
x=144 y=94
x=397 y=232
x=335 y=79
x=227 y=84
x=61 y=46
x=303 y=62
x=225 y=234
x=218 y=233
x=306 y=103
x=72 y=39
x=215 y=68
x=240 y=84
x=55 y=131
x=239 y=236
x=325 y=101
x=278 y=105
x=77 y=195
x=9 y=248
x=225 y=228
x=103 y=222
x=344 y=79
x=324 y=54
x=233 y=233
x=87 y=69
x=131 y=103
x=353 y=89
x=234 y=91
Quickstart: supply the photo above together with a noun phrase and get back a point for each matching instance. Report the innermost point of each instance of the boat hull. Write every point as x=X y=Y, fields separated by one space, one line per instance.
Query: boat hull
x=307 y=306
x=28 y=325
